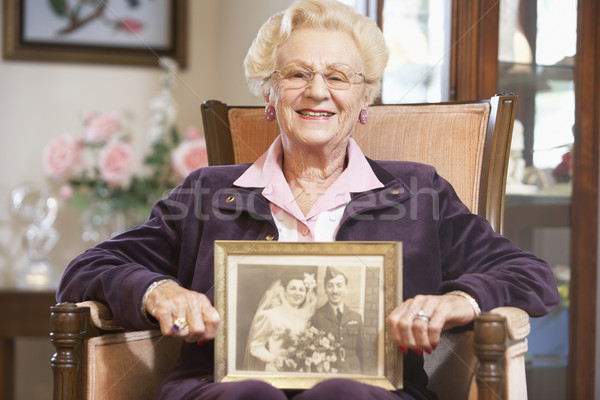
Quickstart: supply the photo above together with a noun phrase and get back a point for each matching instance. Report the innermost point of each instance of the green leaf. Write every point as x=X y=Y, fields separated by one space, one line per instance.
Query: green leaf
x=77 y=11
x=175 y=136
x=154 y=159
x=161 y=148
x=79 y=201
x=59 y=7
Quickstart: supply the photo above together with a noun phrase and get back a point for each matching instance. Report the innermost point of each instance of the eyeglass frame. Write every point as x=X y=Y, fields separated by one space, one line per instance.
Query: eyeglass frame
x=322 y=73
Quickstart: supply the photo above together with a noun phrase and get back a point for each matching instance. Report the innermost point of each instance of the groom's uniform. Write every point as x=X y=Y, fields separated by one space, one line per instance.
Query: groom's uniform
x=348 y=331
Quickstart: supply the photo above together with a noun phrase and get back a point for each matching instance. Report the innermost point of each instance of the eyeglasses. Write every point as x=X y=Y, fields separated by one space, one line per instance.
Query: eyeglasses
x=336 y=76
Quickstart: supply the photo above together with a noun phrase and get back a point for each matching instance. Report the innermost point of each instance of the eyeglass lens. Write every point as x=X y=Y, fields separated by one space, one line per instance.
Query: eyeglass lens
x=336 y=77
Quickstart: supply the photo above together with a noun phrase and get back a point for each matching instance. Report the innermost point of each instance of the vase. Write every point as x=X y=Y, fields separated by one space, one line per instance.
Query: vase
x=100 y=221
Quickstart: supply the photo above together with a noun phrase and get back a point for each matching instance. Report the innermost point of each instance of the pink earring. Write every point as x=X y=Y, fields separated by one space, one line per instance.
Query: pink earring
x=270 y=113
x=362 y=116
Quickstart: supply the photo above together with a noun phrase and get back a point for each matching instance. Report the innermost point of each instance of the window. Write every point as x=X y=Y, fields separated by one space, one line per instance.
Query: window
x=418 y=35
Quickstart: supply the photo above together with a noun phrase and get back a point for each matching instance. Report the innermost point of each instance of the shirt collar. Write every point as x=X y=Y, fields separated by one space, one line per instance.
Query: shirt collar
x=267 y=173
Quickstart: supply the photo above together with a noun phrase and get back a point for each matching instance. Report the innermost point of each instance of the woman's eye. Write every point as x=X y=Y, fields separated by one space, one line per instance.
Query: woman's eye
x=298 y=75
x=336 y=77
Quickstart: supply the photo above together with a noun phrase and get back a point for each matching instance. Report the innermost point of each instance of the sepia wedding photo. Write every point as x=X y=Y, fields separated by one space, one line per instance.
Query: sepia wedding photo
x=294 y=320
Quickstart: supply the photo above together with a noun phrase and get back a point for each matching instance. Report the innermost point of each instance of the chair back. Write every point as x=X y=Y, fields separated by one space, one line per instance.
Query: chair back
x=468 y=142
x=469 y=145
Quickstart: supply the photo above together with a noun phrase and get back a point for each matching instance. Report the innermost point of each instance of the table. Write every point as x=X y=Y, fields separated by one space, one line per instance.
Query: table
x=523 y=213
x=22 y=314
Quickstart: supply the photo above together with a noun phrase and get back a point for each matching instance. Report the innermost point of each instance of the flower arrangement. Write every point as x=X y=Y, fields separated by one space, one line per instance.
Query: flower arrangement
x=103 y=167
x=311 y=350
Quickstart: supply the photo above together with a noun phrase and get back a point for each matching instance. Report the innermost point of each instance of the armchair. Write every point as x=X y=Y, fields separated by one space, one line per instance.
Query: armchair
x=468 y=143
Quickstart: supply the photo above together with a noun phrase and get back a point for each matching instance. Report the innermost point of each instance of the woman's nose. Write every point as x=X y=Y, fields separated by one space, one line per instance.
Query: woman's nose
x=317 y=87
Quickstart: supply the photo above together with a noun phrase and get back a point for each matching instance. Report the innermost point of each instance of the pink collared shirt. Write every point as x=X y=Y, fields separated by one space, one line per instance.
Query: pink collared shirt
x=322 y=221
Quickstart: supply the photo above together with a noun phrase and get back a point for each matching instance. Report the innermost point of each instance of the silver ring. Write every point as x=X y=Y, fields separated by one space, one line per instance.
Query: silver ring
x=423 y=317
x=179 y=324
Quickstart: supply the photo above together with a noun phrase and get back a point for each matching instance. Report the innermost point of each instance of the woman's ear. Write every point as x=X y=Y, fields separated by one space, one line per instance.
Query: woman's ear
x=367 y=98
x=267 y=96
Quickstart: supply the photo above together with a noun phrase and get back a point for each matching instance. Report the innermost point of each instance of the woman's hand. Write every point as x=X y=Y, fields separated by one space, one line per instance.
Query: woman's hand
x=169 y=302
x=418 y=322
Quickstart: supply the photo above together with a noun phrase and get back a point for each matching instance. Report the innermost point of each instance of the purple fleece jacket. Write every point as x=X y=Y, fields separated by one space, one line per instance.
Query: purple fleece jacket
x=445 y=247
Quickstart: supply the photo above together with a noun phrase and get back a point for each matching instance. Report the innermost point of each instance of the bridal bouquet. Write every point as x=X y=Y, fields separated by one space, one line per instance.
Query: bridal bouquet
x=311 y=350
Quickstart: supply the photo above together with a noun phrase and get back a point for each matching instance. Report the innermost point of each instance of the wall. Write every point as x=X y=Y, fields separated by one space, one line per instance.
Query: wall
x=40 y=100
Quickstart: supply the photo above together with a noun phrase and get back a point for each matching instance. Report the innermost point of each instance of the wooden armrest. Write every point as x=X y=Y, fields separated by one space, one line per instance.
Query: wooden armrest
x=100 y=315
x=517 y=322
x=92 y=352
x=499 y=341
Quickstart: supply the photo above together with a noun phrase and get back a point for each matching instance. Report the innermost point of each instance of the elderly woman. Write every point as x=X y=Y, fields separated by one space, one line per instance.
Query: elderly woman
x=317 y=65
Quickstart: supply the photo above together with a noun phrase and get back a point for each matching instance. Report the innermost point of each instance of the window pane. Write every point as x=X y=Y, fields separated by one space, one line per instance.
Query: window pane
x=557 y=32
x=361 y=6
x=418 y=35
x=536 y=62
x=536 y=50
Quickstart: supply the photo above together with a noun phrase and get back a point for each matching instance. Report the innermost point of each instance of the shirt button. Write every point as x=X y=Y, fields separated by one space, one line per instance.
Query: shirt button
x=394 y=191
x=269 y=238
x=305 y=230
x=229 y=199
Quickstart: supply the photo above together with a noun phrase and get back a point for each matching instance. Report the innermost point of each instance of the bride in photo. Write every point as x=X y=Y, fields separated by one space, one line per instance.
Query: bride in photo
x=285 y=309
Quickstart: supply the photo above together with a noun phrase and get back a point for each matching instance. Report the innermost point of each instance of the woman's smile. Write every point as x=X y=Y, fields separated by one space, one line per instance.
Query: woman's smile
x=314 y=114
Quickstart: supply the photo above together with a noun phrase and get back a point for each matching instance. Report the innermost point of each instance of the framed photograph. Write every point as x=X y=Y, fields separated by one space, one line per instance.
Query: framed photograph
x=134 y=32
x=294 y=314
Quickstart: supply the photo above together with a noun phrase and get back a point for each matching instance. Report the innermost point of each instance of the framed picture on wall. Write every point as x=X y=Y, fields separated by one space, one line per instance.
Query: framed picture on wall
x=134 y=32
x=293 y=314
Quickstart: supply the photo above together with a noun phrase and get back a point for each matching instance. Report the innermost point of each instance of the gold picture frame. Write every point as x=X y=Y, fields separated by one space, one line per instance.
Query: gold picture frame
x=248 y=275
x=130 y=33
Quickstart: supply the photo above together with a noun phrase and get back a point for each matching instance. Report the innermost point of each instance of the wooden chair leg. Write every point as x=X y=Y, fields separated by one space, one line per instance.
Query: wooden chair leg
x=490 y=346
x=68 y=325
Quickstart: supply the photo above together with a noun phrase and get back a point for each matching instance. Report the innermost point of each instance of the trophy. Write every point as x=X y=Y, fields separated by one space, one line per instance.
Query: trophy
x=35 y=206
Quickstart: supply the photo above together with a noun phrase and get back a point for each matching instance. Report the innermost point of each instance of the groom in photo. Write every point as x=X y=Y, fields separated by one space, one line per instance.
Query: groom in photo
x=345 y=324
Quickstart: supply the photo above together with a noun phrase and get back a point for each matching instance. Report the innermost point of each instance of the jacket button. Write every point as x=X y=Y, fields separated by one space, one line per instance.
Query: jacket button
x=269 y=237
x=229 y=199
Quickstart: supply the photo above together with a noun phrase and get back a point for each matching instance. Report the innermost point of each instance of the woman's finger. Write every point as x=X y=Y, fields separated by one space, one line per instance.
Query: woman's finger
x=211 y=320
x=420 y=329
x=400 y=322
x=411 y=323
x=197 y=319
x=202 y=317
x=183 y=313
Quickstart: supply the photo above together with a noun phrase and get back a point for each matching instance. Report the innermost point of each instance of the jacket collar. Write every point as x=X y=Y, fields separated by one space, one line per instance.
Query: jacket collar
x=236 y=199
x=395 y=191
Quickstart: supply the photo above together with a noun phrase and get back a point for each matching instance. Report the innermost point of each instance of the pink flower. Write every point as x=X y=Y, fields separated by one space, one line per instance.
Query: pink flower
x=131 y=25
x=117 y=163
x=101 y=127
x=61 y=157
x=192 y=132
x=188 y=156
x=65 y=192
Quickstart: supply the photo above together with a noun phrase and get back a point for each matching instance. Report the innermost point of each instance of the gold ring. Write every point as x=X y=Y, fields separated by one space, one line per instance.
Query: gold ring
x=179 y=324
